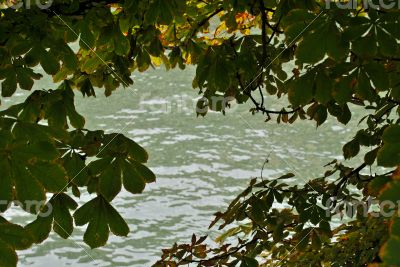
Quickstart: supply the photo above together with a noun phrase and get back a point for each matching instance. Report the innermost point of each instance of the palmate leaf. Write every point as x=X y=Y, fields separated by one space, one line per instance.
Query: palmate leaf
x=24 y=77
x=365 y=46
x=42 y=177
x=8 y=257
x=51 y=175
x=9 y=85
x=86 y=40
x=54 y=215
x=387 y=43
x=323 y=88
x=30 y=164
x=132 y=179
x=49 y=62
x=31 y=197
x=312 y=42
x=6 y=184
x=163 y=12
x=122 y=45
x=102 y=218
x=389 y=154
x=301 y=90
x=388 y=251
x=110 y=181
x=76 y=169
x=113 y=172
x=12 y=237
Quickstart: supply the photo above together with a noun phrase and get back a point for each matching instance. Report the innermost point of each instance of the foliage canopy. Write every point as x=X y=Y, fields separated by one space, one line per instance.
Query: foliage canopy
x=342 y=58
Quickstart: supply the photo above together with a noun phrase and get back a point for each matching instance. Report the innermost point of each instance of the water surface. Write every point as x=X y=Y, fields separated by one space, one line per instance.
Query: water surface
x=201 y=164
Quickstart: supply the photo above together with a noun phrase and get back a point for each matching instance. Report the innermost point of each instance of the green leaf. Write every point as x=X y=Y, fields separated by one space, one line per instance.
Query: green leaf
x=389 y=252
x=359 y=26
x=31 y=197
x=6 y=185
x=70 y=59
x=136 y=152
x=15 y=236
x=249 y=262
x=364 y=89
x=376 y=185
x=101 y=217
x=51 y=175
x=370 y=157
x=337 y=48
x=387 y=44
x=9 y=85
x=76 y=169
x=122 y=44
x=303 y=238
x=390 y=192
x=63 y=222
x=76 y=120
x=21 y=48
x=311 y=49
x=8 y=256
x=117 y=224
x=389 y=155
x=341 y=112
x=110 y=181
x=56 y=115
x=301 y=93
x=218 y=74
x=378 y=75
x=24 y=78
x=32 y=58
x=91 y=64
x=49 y=62
x=133 y=181
x=320 y=115
x=365 y=46
x=40 y=228
x=145 y=172
x=97 y=232
x=391 y=134
x=87 y=88
x=324 y=88
x=84 y=214
x=40 y=150
x=351 y=149
x=343 y=90
x=98 y=166
x=86 y=40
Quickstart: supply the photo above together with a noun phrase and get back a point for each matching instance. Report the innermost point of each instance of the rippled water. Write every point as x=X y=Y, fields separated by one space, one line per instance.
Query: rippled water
x=201 y=164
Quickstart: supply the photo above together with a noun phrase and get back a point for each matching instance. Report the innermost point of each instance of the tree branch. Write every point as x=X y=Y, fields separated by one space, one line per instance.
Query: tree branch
x=205 y=20
x=263 y=31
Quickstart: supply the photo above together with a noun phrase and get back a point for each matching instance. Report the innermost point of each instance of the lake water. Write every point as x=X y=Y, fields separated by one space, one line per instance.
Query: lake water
x=201 y=164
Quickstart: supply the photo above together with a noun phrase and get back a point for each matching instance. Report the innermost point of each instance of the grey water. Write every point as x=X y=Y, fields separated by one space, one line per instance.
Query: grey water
x=200 y=163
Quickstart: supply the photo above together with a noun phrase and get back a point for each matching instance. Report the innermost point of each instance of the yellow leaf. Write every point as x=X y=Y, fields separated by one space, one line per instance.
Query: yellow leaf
x=156 y=61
